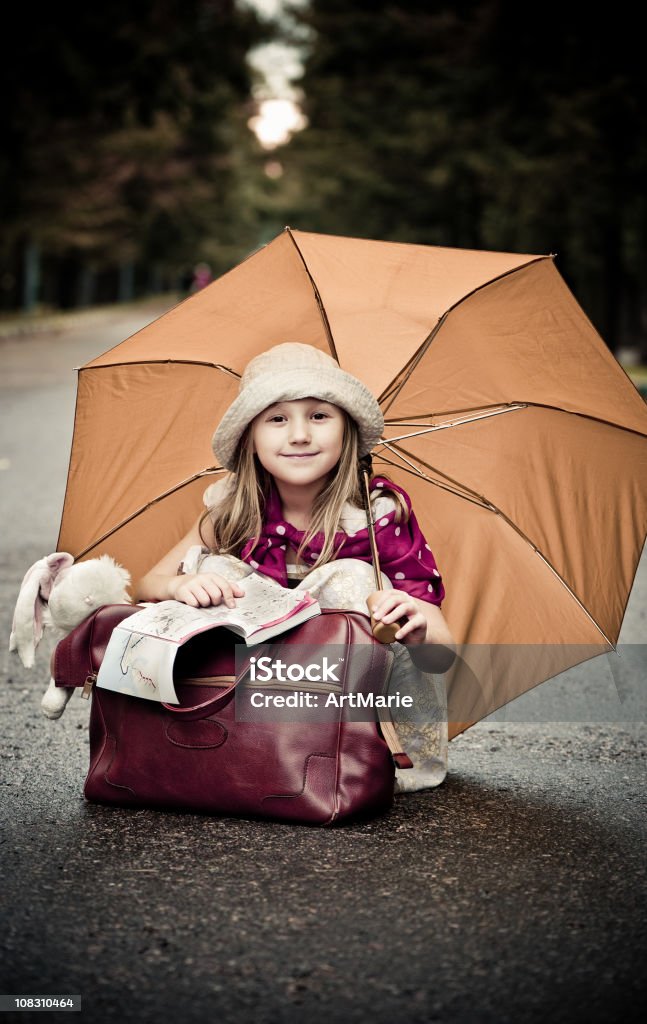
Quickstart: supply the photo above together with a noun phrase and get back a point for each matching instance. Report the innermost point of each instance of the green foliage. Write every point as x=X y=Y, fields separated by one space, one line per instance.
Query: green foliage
x=477 y=123
x=122 y=127
x=484 y=124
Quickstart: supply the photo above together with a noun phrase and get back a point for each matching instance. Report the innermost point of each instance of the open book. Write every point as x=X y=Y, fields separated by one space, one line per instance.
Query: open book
x=141 y=651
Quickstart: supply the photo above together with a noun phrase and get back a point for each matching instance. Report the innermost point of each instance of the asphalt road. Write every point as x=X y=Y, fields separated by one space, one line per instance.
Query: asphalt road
x=515 y=892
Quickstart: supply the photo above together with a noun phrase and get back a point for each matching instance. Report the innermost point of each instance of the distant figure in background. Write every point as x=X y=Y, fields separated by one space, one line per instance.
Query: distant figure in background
x=202 y=276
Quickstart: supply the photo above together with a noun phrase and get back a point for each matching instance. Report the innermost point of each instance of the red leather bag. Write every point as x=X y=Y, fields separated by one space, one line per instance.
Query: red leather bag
x=202 y=757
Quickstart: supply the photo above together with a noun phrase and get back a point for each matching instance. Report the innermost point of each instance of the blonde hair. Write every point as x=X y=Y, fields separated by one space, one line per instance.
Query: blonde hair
x=240 y=515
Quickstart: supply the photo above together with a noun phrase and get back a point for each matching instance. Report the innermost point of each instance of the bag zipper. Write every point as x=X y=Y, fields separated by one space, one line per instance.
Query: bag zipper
x=268 y=684
x=88 y=684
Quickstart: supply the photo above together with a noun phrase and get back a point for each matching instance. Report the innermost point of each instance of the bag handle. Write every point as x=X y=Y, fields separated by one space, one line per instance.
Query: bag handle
x=215 y=703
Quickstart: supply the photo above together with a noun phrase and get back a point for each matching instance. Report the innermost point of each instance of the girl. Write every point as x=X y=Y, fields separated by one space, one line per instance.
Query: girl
x=292 y=510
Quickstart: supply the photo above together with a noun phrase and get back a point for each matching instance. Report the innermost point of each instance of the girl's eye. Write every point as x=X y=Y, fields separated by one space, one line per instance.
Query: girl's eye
x=324 y=414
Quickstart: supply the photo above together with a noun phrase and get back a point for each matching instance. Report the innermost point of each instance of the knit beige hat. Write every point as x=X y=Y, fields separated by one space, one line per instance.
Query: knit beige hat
x=290 y=371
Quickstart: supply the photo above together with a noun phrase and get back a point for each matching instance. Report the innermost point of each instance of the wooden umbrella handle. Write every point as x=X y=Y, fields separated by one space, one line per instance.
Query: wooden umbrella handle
x=382 y=631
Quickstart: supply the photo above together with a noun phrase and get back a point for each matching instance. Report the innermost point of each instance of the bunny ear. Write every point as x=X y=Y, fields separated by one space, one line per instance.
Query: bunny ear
x=27 y=626
x=57 y=562
x=27 y=629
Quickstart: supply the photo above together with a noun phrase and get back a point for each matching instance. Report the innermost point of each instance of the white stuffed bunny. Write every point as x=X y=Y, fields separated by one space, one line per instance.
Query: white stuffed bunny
x=60 y=594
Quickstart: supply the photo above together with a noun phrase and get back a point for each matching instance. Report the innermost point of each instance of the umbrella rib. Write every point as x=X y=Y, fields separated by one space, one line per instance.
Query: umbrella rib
x=149 y=504
x=187 y=299
x=501 y=408
x=571 y=592
x=452 y=486
x=322 y=309
x=148 y=362
x=430 y=337
x=393 y=390
x=461 y=491
x=585 y=416
x=492 y=408
x=453 y=423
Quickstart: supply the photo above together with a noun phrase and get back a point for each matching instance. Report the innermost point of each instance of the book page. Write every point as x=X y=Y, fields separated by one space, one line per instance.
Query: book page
x=139 y=665
x=262 y=605
x=141 y=651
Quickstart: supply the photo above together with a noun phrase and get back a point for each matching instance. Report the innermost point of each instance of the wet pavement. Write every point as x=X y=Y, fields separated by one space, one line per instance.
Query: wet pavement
x=515 y=892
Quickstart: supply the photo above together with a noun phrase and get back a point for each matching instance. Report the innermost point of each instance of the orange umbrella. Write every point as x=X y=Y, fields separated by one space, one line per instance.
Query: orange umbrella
x=521 y=440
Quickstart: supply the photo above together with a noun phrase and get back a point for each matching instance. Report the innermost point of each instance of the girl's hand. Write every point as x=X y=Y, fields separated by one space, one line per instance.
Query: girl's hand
x=397 y=604
x=204 y=589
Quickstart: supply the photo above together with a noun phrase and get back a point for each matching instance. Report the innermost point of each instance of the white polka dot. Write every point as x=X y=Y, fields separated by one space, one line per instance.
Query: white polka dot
x=379 y=484
x=397 y=531
x=383 y=522
x=420 y=554
x=254 y=564
x=269 y=542
x=429 y=587
x=399 y=575
x=280 y=529
x=436 y=573
x=283 y=547
x=427 y=547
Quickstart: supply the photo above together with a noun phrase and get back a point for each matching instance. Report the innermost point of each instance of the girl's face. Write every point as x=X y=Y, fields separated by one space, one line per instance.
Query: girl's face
x=299 y=442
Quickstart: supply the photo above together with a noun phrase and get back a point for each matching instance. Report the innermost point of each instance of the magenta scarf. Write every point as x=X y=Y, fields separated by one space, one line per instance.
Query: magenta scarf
x=405 y=556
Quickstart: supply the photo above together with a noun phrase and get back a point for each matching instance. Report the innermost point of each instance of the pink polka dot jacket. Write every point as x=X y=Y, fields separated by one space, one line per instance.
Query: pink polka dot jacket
x=405 y=556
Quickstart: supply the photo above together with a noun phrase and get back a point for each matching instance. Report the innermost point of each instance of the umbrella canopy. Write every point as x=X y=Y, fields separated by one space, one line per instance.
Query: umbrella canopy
x=522 y=442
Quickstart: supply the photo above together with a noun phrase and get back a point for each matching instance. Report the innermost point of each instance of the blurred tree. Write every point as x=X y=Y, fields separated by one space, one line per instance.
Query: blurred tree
x=484 y=124
x=122 y=124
